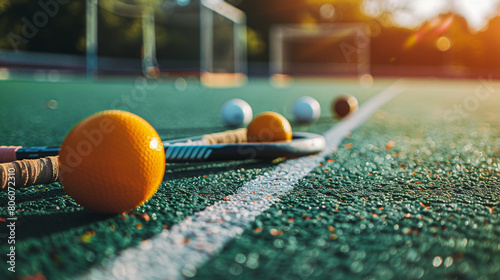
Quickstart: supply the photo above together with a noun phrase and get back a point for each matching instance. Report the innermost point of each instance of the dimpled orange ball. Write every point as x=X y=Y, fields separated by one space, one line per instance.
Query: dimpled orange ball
x=269 y=127
x=112 y=162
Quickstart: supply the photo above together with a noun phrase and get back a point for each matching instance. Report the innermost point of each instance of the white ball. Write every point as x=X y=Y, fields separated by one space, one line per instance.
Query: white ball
x=306 y=109
x=236 y=112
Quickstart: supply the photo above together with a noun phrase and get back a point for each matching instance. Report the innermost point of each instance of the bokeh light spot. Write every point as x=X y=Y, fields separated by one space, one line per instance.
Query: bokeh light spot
x=443 y=43
x=4 y=73
x=327 y=11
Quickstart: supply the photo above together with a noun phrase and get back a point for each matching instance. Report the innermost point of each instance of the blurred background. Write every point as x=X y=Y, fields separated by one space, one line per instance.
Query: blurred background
x=441 y=38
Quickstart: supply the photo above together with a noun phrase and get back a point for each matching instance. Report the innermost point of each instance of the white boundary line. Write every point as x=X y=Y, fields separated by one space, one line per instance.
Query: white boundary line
x=189 y=244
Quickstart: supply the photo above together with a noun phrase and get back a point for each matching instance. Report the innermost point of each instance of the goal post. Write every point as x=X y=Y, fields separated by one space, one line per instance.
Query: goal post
x=223 y=50
x=319 y=49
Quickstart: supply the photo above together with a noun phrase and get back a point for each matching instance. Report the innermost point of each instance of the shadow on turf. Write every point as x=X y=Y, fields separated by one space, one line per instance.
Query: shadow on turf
x=55 y=220
x=46 y=224
x=51 y=215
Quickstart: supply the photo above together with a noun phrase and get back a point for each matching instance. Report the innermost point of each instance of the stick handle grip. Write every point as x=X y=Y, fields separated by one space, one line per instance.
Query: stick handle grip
x=229 y=136
x=29 y=172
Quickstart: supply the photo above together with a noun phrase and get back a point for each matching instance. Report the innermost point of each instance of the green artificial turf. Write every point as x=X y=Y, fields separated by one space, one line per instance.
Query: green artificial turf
x=424 y=208
x=56 y=237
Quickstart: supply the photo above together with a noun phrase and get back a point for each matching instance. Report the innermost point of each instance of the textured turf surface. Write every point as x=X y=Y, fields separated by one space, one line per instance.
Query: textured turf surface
x=413 y=193
x=405 y=197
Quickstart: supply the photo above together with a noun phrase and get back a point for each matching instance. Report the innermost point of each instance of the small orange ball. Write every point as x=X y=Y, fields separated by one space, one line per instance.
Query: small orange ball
x=112 y=162
x=269 y=127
